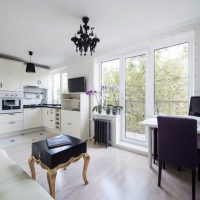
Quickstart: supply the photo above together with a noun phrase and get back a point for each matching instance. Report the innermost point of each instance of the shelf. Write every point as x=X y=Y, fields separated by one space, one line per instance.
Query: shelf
x=70 y=99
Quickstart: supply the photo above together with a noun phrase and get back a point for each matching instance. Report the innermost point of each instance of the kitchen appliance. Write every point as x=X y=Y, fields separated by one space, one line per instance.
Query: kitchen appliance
x=11 y=102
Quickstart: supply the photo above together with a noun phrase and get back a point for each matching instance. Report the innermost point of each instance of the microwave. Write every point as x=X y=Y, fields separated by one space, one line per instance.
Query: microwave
x=11 y=102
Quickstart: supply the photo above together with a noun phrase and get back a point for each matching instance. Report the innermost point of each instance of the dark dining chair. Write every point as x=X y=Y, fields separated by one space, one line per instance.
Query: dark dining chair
x=177 y=144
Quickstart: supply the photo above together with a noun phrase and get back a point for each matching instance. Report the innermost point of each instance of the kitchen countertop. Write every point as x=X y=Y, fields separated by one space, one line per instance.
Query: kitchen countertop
x=57 y=106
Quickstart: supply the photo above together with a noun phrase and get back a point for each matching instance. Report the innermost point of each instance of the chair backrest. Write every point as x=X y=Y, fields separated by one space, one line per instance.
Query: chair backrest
x=177 y=141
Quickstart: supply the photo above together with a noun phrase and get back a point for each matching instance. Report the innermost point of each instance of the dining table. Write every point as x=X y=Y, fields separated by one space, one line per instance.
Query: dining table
x=151 y=123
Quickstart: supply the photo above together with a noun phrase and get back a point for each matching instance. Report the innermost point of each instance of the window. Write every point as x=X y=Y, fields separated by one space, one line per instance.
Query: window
x=64 y=84
x=56 y=88
x=60 y=85
x=171 y=80
x=135 y=97
x=110 y=78
x=153 y=81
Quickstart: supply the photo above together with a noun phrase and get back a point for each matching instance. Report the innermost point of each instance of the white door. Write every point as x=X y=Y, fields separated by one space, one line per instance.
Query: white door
x=12 y=75
x=32 y=118
x=42 y=77
x=70 y=123
x=48 y=116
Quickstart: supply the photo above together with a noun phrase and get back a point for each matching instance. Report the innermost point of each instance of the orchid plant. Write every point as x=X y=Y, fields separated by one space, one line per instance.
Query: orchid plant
x=98 y=97
x=102 y=96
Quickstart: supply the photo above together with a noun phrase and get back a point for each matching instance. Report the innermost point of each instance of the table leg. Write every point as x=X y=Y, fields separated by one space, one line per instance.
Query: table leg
x=31 y=163
x=86 y=158
x=150 y=146
x=51 y=177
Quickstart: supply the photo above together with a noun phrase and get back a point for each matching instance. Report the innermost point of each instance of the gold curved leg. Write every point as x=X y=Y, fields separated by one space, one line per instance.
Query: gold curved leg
x=86 y=158
x=51 y=177
x=31 y=163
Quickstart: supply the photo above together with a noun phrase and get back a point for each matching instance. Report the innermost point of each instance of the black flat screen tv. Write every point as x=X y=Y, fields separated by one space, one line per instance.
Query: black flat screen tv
x=77 y=84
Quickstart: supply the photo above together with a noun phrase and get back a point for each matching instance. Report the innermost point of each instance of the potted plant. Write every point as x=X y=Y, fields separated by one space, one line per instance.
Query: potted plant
x=112 y=95
x=98 y=108
x=108 y=108
x=116 y=109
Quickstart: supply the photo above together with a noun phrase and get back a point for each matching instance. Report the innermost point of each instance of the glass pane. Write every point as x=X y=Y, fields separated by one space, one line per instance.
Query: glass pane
x=135 y=97
x=110 y=79
x=56 y=88
x=64 y=83
x=171 y=80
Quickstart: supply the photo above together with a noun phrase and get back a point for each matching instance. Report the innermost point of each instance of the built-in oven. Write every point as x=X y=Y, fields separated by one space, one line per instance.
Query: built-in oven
x=11 y=102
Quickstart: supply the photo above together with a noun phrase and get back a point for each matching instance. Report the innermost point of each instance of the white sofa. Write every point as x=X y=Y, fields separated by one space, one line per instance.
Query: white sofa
x=15 y=184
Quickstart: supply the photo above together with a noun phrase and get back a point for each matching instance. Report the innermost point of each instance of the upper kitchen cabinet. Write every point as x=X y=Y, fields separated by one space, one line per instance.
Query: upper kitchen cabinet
x=42 y=77
x=11 y=75
x=29 y=79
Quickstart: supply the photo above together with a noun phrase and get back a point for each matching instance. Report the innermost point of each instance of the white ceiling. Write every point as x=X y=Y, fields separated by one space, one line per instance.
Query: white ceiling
x=46 y=26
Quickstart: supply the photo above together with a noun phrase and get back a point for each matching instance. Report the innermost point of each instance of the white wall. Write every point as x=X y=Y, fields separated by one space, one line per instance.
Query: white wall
x=81 y=68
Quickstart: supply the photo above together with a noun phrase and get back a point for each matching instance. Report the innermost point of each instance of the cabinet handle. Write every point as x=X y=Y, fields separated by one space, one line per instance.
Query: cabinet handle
x=1 y=85
x=69 y=123
x=11 y=122
x=51 y=120
x=11 y=113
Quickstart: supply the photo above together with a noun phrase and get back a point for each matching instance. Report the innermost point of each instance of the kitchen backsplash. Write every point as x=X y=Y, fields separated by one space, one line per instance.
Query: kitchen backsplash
x=34 y=95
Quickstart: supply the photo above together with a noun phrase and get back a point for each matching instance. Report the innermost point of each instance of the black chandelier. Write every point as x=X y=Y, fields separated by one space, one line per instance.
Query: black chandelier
x=85 y=40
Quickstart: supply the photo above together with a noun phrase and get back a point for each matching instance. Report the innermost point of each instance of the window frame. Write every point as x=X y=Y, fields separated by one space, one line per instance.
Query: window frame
x=52 y=79
x=123 y=87
x=169 y=43
x=148 y=50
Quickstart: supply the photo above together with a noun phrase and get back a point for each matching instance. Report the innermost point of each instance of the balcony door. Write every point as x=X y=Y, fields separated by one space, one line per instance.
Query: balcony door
x=134 y=99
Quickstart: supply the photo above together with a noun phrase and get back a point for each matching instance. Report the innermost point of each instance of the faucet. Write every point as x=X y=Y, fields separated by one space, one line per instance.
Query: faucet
x=42 y=101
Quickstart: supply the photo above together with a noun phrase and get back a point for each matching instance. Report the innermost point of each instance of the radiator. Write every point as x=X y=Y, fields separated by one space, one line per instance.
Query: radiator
x=102 y=131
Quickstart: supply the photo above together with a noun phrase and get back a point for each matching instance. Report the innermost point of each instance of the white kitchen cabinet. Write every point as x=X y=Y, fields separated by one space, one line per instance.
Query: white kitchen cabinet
x=32 y=118
x=48 y=118
x=70 y=123
x=11 y=75
x=42 y=77
x=75 y=115
x=11 y=122
x=29 y=79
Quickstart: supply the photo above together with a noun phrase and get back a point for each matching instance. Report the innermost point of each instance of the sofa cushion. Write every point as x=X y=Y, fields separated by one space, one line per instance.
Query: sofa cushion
x=15 y=184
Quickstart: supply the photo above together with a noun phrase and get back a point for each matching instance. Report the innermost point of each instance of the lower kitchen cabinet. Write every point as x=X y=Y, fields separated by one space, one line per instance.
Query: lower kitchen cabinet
x=32 y=118
x=72 y=124
x=48 y=118
x=11 y=122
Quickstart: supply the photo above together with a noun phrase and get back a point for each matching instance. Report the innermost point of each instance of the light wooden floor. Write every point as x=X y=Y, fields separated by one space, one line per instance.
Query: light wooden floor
x=113 y=174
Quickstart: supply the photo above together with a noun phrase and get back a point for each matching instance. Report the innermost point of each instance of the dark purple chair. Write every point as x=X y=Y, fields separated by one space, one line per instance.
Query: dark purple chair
x=177 y=144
